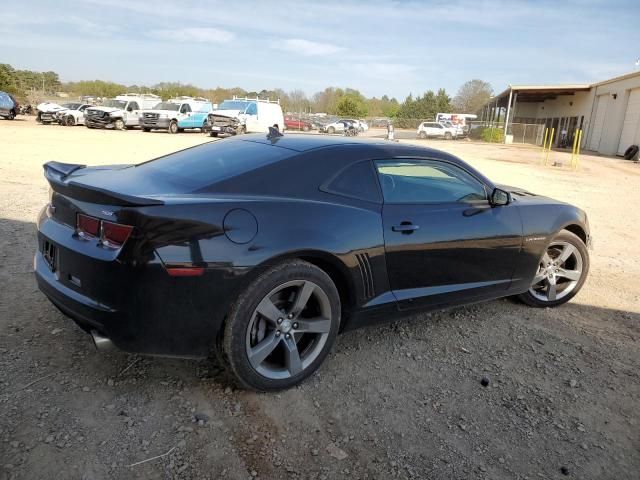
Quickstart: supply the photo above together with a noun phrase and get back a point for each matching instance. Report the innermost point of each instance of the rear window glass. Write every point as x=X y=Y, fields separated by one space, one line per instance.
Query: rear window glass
x=202 y=166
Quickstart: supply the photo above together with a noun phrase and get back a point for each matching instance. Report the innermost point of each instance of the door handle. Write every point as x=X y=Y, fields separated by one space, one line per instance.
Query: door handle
x=405 y=227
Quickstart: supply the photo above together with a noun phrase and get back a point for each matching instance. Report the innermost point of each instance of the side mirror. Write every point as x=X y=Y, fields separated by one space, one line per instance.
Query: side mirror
x=500 y=197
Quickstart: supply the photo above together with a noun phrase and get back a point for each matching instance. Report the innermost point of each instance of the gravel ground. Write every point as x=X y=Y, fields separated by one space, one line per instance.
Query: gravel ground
x=491 y=391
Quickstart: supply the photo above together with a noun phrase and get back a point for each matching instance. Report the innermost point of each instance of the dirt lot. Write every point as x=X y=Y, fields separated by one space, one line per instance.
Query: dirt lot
x=402 y=400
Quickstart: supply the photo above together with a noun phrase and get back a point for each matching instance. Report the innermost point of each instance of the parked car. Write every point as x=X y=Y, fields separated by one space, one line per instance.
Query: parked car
x=458 y=129
x=436 y=130
x=263 y=248
x=48 y=111
x=9 y=106
x=73 y=115
x=120 y=113
x=338 y=126
x=245 y=115
x=293 y=123
x=176 y=115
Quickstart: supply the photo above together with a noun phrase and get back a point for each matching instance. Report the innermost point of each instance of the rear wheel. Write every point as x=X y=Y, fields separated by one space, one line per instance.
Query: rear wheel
x=447 y=136
x=12 y=115
x=561 y=272
x=213 y=134
x=282 y=327
x=173 y=127
x=423 y=135
x=305 y=128
x=146 y=129
x=331 y=130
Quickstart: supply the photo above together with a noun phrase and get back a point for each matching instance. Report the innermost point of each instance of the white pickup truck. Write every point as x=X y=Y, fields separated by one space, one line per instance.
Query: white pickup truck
x=121 y=112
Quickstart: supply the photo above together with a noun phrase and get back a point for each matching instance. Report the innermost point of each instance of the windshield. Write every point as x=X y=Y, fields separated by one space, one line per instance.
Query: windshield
x=233 y=105
x=120 y=104
x=167 y=106
x=70 y=106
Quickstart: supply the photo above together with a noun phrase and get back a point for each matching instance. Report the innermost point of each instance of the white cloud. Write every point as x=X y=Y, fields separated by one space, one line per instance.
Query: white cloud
x=307 y=47
x=193 y=34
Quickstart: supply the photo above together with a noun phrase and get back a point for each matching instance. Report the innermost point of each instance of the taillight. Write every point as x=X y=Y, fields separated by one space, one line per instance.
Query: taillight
x=87 y=226
x=114 y=235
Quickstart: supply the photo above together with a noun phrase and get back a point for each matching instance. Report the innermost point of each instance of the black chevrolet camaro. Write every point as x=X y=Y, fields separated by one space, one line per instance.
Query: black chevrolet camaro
x=261 y=249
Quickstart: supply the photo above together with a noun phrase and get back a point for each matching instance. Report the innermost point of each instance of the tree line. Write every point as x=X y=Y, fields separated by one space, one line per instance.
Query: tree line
x=346 y=102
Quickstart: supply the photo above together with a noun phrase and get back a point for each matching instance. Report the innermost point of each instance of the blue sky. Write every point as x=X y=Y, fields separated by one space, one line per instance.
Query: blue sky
x=376 y=46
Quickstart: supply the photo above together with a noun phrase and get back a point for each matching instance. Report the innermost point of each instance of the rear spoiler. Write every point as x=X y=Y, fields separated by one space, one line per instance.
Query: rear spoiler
x=56 y=174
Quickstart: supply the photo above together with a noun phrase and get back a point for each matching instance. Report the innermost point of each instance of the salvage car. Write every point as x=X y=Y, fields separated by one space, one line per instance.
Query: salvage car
x=245 y=115
x=296 y=123
x=47 y=112
x=263 y=248
x=121 y=112
x=9 y=106
x=73 y=115
x=436 y=130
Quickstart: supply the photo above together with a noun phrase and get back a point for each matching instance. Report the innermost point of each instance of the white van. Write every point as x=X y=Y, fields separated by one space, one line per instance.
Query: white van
x=245 y=115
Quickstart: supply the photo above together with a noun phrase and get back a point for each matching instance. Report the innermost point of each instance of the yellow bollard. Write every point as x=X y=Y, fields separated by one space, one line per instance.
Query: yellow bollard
x=578 y=148
x=573 y=150
x=546 y=160
x=544 y=143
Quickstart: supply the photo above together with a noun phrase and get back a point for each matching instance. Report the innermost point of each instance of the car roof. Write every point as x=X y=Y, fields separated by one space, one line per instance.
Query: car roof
x=305 y=143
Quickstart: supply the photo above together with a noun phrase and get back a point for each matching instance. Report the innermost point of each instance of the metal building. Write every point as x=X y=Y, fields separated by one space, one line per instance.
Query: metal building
x=608 y=112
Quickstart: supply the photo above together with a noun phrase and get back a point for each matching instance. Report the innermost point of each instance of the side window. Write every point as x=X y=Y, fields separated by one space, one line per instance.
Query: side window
x=427 y=181
x=185 y=108
x=356 y=181
x=252 y=109
x=132 y=106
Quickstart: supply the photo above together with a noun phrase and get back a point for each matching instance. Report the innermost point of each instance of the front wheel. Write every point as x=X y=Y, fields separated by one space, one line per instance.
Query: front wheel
x=561 y=272
x=331 y=130
x=12 y=115
x=119 y=124
x=282 y=327
x=423 y=135
x=173 y=127
x=448 y=136
x=69 y=121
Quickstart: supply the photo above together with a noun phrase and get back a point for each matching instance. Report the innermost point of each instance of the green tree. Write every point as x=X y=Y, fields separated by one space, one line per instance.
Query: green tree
x=351 y=106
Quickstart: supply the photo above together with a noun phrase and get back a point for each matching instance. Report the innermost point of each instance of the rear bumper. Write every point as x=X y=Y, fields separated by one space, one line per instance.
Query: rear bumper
x=130 y=298
x=85 y=312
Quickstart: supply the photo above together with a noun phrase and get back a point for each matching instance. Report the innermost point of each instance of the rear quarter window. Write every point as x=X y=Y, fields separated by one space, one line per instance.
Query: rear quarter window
x=355 y=181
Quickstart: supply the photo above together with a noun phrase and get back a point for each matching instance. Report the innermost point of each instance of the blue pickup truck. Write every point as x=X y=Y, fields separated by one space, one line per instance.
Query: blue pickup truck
x=176 y=115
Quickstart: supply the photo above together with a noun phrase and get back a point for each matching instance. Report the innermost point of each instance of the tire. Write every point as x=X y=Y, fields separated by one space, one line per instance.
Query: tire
x=631 y=152
x=448 y=136
x=69 y=121
x=173 y=127
x=423 y=135
x=119 y=124
x=240 y=130
x=331 y=130
x=279 y=330
x=213 y=134
x=577 y=264
x=12 y=115
x=305 y=128
x=146 y=129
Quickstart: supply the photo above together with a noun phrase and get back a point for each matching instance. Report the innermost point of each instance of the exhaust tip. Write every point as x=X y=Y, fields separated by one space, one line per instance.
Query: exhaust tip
x=101 y=343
